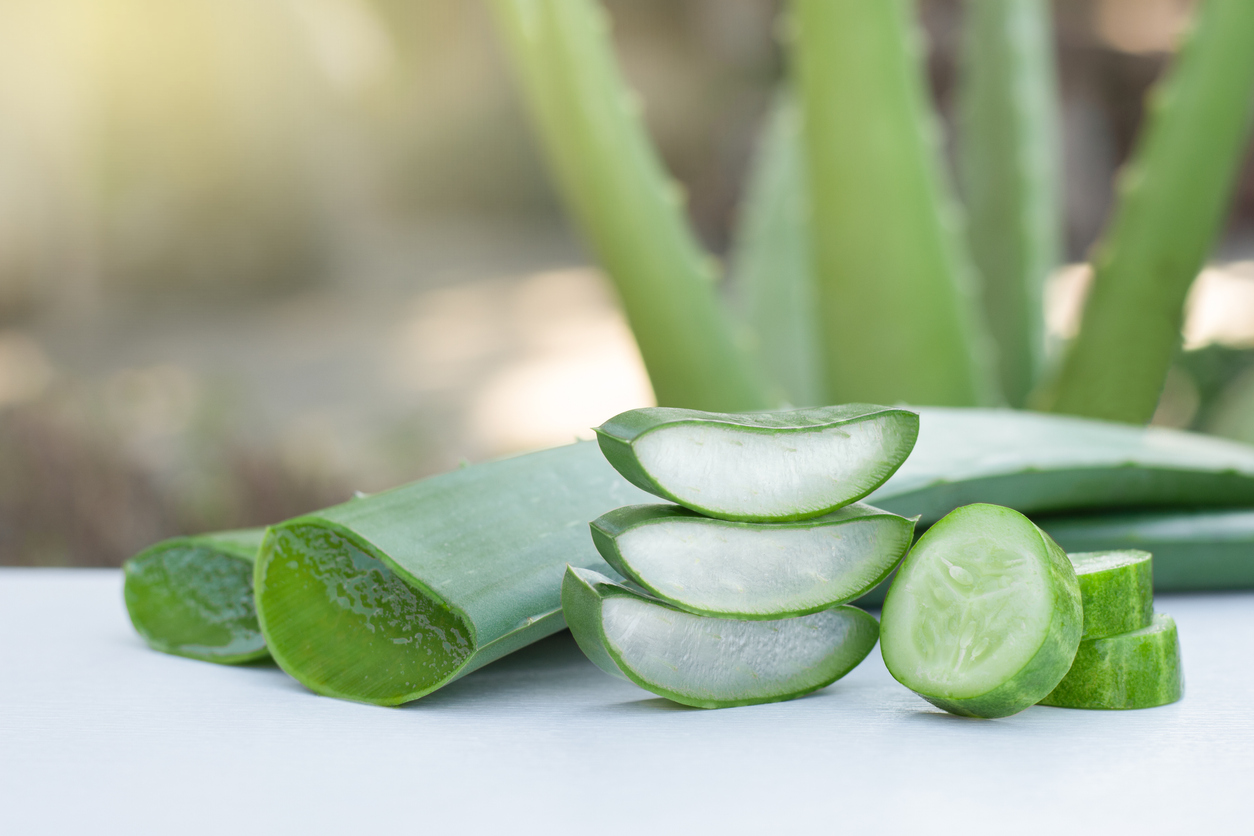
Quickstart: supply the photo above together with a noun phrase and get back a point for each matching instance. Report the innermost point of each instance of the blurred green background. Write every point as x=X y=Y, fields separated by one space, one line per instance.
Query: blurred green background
x=257 y=255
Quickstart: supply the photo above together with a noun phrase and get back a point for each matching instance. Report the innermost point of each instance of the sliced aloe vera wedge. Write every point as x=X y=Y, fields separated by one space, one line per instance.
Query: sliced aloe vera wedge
x=1117 y=590
x=760 y=466
x=1211 y=549
x=388 y=597
x=1140 y=669
x=1037 y=463
x=752 y=570
x=984 y=616
x=193 y=596
x=711 y=662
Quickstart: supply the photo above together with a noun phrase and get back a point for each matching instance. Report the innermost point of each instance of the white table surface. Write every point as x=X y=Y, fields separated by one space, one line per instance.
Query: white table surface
x=100 y=735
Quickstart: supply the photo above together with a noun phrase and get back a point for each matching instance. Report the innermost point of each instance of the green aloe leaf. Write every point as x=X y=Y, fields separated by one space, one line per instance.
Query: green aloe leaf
x=1171 y=207
x=1010 y=175
x=772 y=264
x=629 y=210
x=896 y=297
x=193 y=596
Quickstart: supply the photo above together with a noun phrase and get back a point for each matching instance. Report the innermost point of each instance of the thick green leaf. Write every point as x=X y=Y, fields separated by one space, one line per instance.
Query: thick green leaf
x=193 y=596
x=898 y=314
x=772 y=264
x=1010 y=175
x=630 y=211
x=1172 y=201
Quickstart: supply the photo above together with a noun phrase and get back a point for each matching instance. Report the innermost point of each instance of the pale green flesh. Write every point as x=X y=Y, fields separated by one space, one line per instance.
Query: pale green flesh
x=716 y=662
x=736 y=473
x=760 y=570
x=967 y=613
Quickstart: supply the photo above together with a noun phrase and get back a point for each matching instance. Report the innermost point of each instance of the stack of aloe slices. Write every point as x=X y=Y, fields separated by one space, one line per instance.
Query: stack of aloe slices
x=737 y=593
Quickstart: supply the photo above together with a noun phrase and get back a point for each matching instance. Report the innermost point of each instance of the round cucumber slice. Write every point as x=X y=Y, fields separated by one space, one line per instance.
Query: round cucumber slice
x=760 y=467
x=193 y=596
x=1117 y=589
x=711 y=662
x=984 y=616
x=1140 y=669
x=752 y=570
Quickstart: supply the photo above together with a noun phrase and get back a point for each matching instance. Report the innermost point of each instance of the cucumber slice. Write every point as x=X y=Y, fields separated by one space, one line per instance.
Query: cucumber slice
x=193 y=596
x=1212 y=549
x=984 y=616
x=1117 y=590
x=1140 y=669
x=710 y=662
x=760 y=467
x=752 y=570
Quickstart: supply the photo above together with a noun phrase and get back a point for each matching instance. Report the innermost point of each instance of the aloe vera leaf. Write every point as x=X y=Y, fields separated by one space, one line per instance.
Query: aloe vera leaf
x=1117 y=588
x=630 y=211
x=711 y=662
x=1009 y=172
x=898 y=315
x=771 y=263
x=1193 y=549
x=193 y=596
x=769 y=466
x=752 y=570
x=984 y=616
x=1038 y=463
x=388 y=597
x=1172 y=201
x=1139 y=669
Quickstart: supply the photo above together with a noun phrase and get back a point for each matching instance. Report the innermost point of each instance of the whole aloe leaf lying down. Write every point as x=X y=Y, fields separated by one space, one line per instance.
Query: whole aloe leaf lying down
x=193 y=596
x=388 y=597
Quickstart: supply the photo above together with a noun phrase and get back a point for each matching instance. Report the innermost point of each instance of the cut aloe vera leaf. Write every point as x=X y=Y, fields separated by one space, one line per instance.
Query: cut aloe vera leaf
x=711 y=662
x=764 y=466
x=752 y=570
x=1140 y=669
x=193 y=596
x=1117 y=590
x=388 y=597
x=984 y=616
x=1210 y=549
x=1038 y=463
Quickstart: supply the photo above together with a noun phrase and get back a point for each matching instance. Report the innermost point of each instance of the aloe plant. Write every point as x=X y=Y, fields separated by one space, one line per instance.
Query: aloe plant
x=1172 y=201
x=1009 y=171
x=631 y=212
x=895 y=289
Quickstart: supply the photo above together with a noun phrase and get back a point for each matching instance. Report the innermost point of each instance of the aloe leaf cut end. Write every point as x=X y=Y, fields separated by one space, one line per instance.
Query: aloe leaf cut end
x=711 y=662
x=1140 y=669
x=984 y=616
x=760 y=467
x=752 y=571
x=193 y=597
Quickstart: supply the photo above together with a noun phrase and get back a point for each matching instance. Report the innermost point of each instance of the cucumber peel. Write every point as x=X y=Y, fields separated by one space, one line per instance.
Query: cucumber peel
x=193 y=597
x=388 y=597
x=752 y=570
x=984 y=616
x=711 y=662
x=760 y=467
x=1117 y=590
x=1140 y=669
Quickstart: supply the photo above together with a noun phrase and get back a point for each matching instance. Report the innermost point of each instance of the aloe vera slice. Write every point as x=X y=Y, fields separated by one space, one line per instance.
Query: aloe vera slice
x=1038 y=463
x=711 y=662
x=1140 y=669
x=752 y=570
x=984 y=616
x=386 y=598
x=760 y=467
x=193 y=596
x=1207 y=549
x=1117 y=590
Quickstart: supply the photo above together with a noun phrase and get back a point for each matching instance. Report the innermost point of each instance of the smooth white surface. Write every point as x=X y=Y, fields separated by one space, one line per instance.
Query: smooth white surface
x=100 y=735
